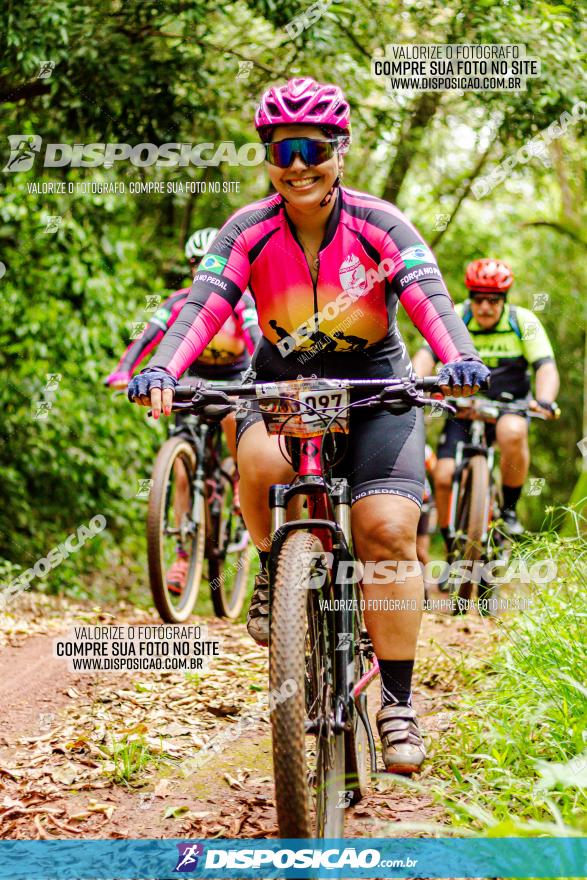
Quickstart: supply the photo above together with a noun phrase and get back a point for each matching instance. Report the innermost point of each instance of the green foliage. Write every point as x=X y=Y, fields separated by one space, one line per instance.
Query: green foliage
x=518 y=745
x=68 y=301
x=131 y=756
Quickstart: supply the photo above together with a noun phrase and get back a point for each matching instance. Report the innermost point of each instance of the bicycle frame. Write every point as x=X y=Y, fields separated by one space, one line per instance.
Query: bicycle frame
x=200 y=434
x=330 y=520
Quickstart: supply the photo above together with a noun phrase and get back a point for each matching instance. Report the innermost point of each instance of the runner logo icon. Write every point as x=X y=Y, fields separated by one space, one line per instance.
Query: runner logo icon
x=23 y=148
x=189 y=853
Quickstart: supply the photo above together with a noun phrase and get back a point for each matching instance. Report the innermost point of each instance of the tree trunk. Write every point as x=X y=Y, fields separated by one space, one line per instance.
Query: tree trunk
x=409 y=142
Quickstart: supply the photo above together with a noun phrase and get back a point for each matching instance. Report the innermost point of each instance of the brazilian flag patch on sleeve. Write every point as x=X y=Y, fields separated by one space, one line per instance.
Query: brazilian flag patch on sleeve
x=213 y=263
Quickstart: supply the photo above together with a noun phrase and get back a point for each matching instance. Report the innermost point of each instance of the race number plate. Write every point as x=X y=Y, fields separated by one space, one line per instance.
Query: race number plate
x=304 y=408
x=327 y=404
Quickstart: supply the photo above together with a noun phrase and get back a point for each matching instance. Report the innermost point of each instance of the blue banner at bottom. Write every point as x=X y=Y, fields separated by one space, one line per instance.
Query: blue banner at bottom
x=348 y=858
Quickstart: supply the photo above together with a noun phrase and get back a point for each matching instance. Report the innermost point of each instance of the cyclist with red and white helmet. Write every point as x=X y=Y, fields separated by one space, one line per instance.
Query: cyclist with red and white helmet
x=224 y=359
x=328 y=267
x=510 y=340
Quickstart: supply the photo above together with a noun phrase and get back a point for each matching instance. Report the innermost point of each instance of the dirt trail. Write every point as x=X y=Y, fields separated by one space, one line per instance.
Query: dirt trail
x=111 y=755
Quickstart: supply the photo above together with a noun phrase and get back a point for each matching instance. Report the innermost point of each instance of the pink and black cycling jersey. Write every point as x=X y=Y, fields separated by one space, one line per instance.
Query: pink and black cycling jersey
x=344 y=324
x=229 y=350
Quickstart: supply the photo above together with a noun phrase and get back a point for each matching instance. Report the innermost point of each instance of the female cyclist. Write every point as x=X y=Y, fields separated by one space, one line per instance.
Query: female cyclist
x=303 y=251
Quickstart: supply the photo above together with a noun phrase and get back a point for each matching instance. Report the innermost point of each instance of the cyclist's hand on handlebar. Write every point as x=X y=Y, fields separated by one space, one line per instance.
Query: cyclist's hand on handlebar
x=153 y=388
x=545 y=408
x=118 y=379
x=463 y=378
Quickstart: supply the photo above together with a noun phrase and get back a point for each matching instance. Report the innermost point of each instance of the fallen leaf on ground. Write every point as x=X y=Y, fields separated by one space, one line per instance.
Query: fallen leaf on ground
x=234 y=783
x=223 y=709
x=161 y=788
x=107 y=809
x=40 y=830
x=139 y=728
x=66 y=774
x=175 y=812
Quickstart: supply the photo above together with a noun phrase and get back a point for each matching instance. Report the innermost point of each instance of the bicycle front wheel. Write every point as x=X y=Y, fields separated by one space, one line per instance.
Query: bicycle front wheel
x=357 y=757
x=471 y=523
x=228 y=558
x=176 y=531
x=308 y=756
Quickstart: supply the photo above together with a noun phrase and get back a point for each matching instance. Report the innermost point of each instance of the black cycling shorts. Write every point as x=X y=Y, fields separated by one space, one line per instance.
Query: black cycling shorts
x=384 y=452
x=456 y=430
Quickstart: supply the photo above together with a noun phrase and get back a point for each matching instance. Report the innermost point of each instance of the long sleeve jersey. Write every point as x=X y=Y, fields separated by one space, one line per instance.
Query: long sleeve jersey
x=518 y=341
x=230 y=347
x=342 y=324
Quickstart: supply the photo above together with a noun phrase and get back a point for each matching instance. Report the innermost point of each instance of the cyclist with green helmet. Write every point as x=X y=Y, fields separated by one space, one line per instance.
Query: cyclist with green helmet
x=224 y=359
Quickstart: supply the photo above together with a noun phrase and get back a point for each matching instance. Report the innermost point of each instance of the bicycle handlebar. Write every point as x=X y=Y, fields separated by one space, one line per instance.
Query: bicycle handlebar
x=188 y=392
x=199 y=397
x=483 y=406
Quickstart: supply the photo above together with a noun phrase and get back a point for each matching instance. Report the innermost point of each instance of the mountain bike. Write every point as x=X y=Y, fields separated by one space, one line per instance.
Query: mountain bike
x=194 y=511
x=321 y=659
x=475 y=505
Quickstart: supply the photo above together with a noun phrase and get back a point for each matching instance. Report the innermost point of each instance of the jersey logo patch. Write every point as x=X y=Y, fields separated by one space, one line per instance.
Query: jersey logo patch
x=213 y=263
x=416 y=255
x=352 y=274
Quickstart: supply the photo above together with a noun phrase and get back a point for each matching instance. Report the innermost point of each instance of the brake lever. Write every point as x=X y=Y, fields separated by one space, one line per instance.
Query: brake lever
x=409 y=395
x=205 y=397
x=443 y=404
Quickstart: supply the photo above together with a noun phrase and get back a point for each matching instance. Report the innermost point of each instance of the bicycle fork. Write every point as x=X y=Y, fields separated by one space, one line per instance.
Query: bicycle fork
x=199 y=510
x=464 y=452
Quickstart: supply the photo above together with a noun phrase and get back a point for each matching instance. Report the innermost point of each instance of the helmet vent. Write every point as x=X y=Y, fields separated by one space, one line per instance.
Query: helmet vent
x=293 y=106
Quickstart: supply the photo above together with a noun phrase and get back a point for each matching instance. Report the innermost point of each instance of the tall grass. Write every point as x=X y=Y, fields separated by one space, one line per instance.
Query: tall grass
x=515 y=759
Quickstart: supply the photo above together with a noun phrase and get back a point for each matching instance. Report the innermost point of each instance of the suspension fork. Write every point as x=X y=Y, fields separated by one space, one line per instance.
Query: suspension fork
x=464 y=452
x=344 y=615
x=454 y=491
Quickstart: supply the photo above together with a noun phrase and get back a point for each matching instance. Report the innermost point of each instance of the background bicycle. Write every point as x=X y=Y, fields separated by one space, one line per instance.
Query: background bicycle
x=476 y=533
x=193 y=517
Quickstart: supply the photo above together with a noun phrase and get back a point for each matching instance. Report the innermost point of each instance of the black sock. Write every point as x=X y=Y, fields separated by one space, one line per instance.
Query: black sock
x=511 y=496
x=447 y=541
x=263 y=559
x=396 y=681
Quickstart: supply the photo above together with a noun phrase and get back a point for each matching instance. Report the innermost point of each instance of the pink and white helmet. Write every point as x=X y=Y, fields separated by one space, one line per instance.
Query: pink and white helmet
x=304 y=101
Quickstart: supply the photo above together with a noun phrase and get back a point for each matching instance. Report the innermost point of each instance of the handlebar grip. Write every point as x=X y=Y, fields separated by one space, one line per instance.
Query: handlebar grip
x=428 y=383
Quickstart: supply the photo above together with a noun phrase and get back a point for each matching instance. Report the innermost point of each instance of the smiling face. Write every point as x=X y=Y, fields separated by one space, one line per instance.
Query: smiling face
x=303 y=187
